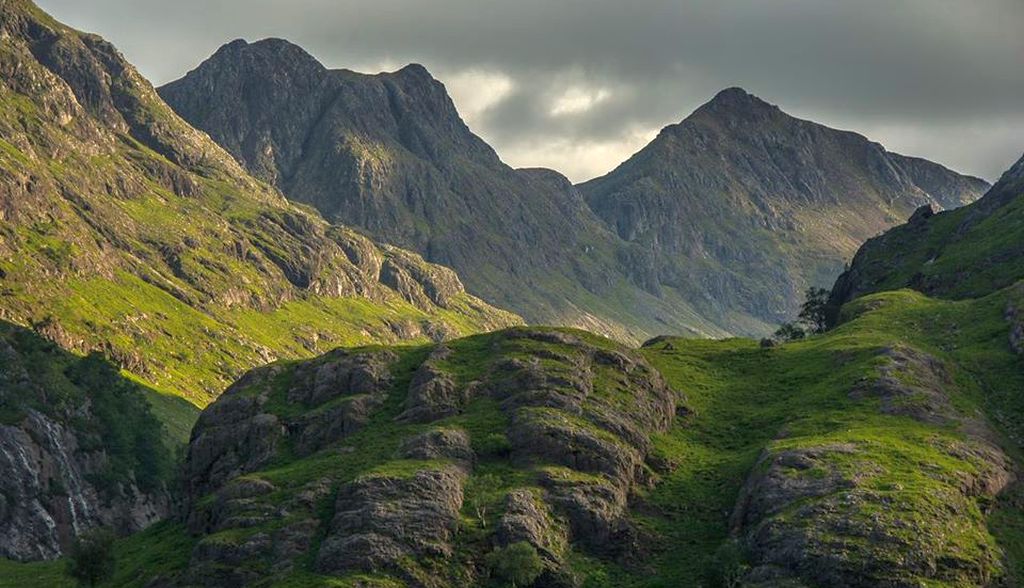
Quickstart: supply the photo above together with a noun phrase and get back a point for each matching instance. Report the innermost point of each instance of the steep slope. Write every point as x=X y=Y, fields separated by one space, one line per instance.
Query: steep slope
x=388 y=153
x=124 y=230
x=957 y=254
x=79 y=448
x=747 y=206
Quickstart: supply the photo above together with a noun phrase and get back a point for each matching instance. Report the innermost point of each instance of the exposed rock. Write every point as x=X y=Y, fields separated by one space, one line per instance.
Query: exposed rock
x=234 y=435
x=432 y=393
x=238 y=504
x=557 y=417
x=923 y=213
x=341 y=373
x=317 y=429
x=450 y=444
x=381 y=521
x=47 y=497
x=1016 y=319
x=911 y=383
x=526 y=518
x=806 y=517
x=817 y=514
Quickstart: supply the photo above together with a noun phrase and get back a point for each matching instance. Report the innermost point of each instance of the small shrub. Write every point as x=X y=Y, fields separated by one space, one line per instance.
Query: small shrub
x=517 y=565
x=91 y=558
x=726 y=568
x=789 y=332
x=493 y=445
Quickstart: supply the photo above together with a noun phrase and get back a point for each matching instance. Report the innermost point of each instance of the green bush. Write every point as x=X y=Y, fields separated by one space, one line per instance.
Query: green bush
x=91 y=557
x=727 y=566
x=517 y=565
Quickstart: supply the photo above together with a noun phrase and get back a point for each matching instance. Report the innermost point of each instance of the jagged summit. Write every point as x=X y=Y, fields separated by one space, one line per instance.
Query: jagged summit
x=736 y=100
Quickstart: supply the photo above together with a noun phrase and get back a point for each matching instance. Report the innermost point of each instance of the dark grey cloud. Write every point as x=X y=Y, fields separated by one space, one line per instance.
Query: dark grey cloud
x=578 y=85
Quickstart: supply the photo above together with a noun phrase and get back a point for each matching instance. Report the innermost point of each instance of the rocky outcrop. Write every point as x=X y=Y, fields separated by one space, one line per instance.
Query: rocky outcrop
x=440 y=444
x=527 y=518
x=384 y=521
x=432 y=393
x=237 y=434
x=234 y=435
x=836 y=514
x=565 y=419
x=558 y=417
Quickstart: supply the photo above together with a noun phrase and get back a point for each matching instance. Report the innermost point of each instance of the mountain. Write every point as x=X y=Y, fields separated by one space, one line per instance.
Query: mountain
x=747 y=206
x=389 y=154
x=126 y=231
x=708 y=250
x=955 y=254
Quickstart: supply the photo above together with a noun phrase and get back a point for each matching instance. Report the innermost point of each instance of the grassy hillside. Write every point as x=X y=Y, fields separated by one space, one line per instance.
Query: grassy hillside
x=125 y=231
x=742 y=405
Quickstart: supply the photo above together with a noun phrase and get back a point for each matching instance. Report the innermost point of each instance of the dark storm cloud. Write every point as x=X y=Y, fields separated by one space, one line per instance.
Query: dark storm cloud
x=580 y=84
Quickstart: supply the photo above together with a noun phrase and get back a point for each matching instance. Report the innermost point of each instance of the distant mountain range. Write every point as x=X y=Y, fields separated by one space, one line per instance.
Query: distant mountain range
x=716 y=227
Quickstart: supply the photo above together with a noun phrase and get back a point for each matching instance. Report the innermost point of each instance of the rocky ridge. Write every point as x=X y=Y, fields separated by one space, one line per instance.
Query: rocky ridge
x=578 y=415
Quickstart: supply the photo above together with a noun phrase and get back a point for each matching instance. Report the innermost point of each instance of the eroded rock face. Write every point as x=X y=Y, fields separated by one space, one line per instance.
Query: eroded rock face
x=380 y=520
x=234 y=435
x=450 y=444
x=433 y=394
x=237 y=434
x=341 y=373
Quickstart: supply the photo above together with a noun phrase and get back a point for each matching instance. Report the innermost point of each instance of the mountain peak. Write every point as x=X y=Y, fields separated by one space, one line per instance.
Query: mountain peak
x=736 y=100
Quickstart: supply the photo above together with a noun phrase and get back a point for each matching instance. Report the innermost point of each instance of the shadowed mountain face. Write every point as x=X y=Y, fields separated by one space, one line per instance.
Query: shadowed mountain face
x=759 y=204
x=124 y=230
x=716 y=227
x=956 y=254
x=388 y=153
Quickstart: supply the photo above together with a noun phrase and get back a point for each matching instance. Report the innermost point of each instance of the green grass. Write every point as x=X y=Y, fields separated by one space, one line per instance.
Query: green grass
x=743 y=397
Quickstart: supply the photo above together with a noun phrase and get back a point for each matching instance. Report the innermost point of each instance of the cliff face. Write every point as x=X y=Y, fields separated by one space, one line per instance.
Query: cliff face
x=79 y=449
x=747 y=206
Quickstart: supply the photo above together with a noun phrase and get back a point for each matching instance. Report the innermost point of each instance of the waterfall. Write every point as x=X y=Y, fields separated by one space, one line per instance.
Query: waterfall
x=77 y=503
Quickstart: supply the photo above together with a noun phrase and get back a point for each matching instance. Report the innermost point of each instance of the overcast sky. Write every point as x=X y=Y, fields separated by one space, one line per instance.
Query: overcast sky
x=579 y=85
